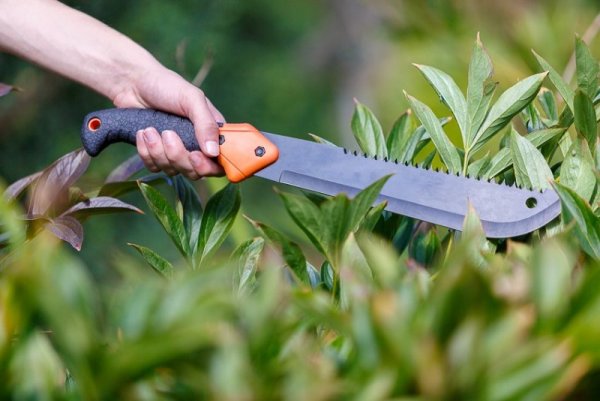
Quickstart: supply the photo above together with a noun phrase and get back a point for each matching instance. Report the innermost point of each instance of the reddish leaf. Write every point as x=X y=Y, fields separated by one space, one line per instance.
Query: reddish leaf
x=6 y=89
x=17 y=187
x=126 y=169
x=56 y=179
x=100 y=205
x=68 y=229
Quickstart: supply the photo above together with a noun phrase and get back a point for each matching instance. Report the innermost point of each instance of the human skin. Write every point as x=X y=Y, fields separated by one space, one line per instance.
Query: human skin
x=83 y=49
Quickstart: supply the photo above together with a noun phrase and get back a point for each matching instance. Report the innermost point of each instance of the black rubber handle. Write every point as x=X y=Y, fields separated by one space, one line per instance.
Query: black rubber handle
x=104 y=127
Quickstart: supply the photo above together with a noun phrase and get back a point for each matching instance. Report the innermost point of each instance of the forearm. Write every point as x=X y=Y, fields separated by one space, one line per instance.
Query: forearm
x=73 y=44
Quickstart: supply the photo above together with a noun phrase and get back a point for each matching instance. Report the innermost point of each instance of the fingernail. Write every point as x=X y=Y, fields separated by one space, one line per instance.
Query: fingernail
x=168 y=136
x=212 y=148
x=148 y=137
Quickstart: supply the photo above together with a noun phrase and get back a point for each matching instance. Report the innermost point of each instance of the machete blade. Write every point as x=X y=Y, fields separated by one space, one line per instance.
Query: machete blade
x=435 y=197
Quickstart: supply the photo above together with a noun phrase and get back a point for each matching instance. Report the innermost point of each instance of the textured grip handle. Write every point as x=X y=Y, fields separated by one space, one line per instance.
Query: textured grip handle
x=105 y=127
x=243 y=149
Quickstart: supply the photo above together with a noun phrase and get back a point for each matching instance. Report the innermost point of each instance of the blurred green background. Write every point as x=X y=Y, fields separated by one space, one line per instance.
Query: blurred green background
x=289 y=67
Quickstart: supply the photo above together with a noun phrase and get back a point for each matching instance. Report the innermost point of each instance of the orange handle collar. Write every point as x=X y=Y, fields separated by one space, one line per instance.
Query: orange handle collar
x=244 y=150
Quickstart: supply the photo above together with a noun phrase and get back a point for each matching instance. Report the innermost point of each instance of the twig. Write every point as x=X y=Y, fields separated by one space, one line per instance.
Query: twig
x=180 y=54
x=204 y=69
x=587 y=37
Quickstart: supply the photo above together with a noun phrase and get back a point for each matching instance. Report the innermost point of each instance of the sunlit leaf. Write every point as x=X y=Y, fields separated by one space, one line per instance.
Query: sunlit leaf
x=585 y=118
x=68 y=229
x=167 y=217
x=15 y=189
x=548 y=103
x=191 y=209
x=372 y=217
x=323 y=141
x=157 y=262
x=445 y=148
x=561 y=86
x=480 y=90
x=246 y=257
x=577 y=170
x=530 y=167
x=400 y=135
x=479 y=167
x=99 y=205
x=367 y=131
x=503 y=159
x=56 y=179
x=587 y=225
x=306 y=215
x=449 y=94
x=363 y=201
x=587 y=70
x=509 y=104
x=219 y=215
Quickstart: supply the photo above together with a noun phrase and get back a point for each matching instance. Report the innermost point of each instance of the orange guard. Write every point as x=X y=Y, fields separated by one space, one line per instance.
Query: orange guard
x=244 y=150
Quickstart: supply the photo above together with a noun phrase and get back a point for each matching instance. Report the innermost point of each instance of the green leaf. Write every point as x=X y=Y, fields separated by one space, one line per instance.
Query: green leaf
x=363 y=201
x=291 y=252
x=509 y=104
x=306 y=215
x=551 y=279
x=372 y=217
x=157 y=262
x=324 y=141
x=503 y=159
x=425 y=246
x=548 y=103
x=577 y=170
x=367 y=131
x=246 y=257
x=561 y=86
x=530 y=167
x=167 y=217
x=449 y=93
x=219 y=215
x=445 y=148
x=479 y=167
x=585 y=118
x=480 y=90
x=587 y=225
x=327 y=275
x=191 y=210
x=400 y=135
x=587 y=70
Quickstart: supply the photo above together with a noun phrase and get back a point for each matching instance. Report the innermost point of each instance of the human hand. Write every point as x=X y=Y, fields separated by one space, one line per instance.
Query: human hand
x=165 y=90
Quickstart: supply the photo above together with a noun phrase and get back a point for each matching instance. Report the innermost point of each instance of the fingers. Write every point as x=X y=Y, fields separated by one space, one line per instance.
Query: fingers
x=205 y=125
x=166 y=152
x=205 y=166
x=215 y=112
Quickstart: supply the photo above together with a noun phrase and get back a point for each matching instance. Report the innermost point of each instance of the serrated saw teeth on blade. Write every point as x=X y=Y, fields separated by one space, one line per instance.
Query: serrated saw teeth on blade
x=438 y=197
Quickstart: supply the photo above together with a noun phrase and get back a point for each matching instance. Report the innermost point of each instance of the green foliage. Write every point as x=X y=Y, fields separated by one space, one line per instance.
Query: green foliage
x=398 y=309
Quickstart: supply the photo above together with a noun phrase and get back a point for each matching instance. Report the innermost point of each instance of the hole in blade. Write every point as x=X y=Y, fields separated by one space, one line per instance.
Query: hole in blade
x=531 y=202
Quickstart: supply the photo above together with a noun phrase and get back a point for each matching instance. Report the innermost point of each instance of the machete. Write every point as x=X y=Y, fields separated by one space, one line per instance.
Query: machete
x=424 y=194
